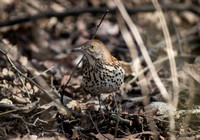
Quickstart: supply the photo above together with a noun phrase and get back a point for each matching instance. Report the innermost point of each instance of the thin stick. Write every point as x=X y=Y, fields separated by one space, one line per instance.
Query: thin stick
x=133 y=10
x=144 y=51
x=43 y=72
x=94 y=34
x=95 y=125
x=46 y=91
x=170 y=52
x=27 y=92
x=173 y=67
x=70 y=79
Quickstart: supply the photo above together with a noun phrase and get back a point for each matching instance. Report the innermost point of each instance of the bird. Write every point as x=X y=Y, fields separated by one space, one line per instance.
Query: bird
x=102 y=72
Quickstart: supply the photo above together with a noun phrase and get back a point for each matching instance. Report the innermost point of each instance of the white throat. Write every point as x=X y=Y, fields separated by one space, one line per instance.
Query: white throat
x=90 y=59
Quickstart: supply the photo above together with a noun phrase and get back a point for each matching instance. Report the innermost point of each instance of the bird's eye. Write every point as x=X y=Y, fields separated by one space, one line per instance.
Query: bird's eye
x=92 y=47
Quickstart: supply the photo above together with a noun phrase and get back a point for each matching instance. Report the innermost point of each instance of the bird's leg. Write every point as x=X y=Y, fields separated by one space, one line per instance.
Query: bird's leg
x=100 y=107
x=113 y=94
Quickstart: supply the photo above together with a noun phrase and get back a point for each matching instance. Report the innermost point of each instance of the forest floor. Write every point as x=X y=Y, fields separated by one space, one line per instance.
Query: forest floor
x=36 y=39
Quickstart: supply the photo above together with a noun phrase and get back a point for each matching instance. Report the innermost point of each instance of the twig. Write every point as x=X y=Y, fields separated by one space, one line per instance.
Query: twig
x=18 y=71
x=118 y=113
x=146 y=56
x=94 y=10
x=173 y=68
x=73 y=71
x=15 y=109
x=189 y=102
x=170 y=52
x=136 y=135
x=5 y=106
x=96 y=126
x=136 y=64
x=94 y=34
x=187 y=32
x=182 y=112
x=94 y=123
x=24 y=85
x=144 y=51
x=177 y=33
x=46 y=90
x=121 y=120
x=10 y=111
x=160 y=61
x=42 y=72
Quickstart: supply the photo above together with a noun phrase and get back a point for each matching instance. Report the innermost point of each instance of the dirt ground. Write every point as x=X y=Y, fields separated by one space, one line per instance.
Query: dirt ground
x=36 y=62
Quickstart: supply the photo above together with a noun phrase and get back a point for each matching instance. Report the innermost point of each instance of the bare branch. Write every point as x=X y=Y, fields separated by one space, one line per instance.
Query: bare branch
x=42 y=84
x=94 y=10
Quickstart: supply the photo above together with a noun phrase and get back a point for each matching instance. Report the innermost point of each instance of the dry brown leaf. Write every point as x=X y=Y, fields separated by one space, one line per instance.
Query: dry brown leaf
x=104 y=136
x=190 y=17
x=159 y=108
x=6 y=101
x=74 y=105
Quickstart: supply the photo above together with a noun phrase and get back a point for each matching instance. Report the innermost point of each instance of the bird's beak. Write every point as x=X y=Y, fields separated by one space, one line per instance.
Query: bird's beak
x=77 y=49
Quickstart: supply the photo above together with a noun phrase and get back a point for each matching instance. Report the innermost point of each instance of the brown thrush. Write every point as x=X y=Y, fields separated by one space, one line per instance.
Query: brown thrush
x=102 y=73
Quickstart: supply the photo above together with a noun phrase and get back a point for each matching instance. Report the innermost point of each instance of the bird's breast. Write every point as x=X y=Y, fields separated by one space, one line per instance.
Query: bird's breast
x=102 y=78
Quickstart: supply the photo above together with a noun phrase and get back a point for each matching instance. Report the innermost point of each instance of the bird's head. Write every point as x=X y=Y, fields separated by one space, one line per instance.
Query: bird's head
x=95 y=50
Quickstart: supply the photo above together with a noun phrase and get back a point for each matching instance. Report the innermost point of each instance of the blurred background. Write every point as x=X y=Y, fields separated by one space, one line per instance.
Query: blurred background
x=45 y=31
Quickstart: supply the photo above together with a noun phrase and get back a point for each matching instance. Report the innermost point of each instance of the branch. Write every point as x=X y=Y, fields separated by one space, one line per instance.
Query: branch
x=41 y=83
x=121 y=120
x=94 y=10
x=180 y=113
